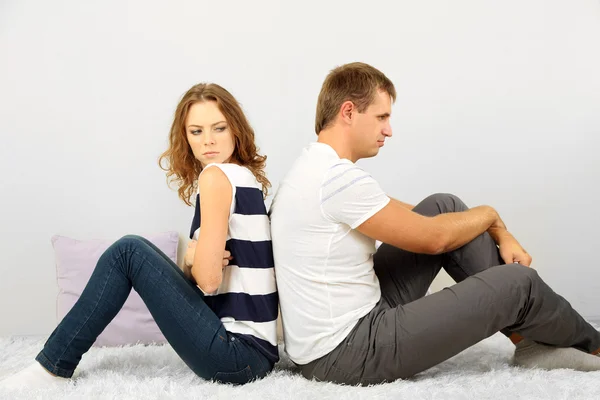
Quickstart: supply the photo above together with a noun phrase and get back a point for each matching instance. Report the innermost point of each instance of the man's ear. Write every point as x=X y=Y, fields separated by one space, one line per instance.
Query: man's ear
x=347 y=111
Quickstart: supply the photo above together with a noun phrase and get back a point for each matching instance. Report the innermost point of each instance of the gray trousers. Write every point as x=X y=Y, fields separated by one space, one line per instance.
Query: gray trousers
x=408 y=332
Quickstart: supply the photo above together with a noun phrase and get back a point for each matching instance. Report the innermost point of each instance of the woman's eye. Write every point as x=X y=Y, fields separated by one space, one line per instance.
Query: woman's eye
x=220 y=129
x=196 y=132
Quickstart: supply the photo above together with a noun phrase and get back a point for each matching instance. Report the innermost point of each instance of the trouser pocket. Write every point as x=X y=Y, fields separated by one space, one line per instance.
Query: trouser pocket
x=239 y=377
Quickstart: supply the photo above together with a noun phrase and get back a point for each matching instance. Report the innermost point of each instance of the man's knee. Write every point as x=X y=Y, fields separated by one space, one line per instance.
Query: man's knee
x=520 y=273
x=446 y=197
x=445 y=202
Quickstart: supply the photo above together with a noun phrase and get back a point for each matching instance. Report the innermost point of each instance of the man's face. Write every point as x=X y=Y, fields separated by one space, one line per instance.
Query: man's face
x=371 y=128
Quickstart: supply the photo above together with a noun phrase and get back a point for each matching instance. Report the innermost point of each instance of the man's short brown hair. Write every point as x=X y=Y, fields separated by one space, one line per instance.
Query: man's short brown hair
x=356 y=82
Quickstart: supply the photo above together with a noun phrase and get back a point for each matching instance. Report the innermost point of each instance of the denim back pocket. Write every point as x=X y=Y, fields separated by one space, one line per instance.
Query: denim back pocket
x=238 y=378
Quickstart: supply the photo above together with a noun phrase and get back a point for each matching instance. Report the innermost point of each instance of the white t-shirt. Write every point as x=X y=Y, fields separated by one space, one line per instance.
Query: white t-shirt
x=323 y=266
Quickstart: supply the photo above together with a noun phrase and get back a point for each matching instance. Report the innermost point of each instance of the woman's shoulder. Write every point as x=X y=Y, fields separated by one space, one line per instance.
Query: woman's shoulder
x=230 y=168
x=211 y=179
x=238 y=175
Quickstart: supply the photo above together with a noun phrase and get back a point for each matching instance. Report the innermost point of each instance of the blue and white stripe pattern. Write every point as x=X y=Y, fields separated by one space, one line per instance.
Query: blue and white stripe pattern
x=246 y=301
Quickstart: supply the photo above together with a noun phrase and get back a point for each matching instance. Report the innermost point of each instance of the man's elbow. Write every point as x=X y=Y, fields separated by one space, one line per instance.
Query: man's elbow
x=438 y=244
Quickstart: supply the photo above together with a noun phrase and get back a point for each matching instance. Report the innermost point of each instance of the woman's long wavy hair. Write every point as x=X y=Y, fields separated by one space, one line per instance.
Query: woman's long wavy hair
x=178 y=160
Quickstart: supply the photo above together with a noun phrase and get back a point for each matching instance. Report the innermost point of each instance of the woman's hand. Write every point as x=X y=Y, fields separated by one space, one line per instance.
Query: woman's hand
x=188 y=260
x=226 y=258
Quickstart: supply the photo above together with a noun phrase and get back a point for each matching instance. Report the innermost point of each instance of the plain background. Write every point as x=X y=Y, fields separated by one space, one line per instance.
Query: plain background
x=498 y=103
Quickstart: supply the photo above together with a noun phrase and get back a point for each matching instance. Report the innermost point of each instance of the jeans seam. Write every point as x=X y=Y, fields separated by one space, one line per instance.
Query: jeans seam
x=158 y=271
x=93 y=310
x=144 y=260
x=199 y=316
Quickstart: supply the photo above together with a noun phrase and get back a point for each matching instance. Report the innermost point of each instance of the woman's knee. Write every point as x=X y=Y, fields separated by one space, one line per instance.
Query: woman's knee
x=128 y=244
x=121 y=249
x=130 y=240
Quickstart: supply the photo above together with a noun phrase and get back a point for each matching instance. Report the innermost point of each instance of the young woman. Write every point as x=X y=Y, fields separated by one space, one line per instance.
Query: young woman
x=219 y=313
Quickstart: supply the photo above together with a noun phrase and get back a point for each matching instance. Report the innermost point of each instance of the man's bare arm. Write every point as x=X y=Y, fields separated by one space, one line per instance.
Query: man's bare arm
x=498 y=232
x=403 y=228
x=510 y=249
x=403 y=204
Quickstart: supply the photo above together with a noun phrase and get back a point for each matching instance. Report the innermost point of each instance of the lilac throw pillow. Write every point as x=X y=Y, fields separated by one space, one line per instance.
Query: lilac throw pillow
x=75 y=262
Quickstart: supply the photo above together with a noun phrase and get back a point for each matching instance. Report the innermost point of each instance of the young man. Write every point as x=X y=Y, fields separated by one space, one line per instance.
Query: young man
x=355 y=315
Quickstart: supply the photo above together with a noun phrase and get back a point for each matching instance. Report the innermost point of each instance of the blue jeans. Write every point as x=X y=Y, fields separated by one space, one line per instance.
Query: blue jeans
x=176 y=303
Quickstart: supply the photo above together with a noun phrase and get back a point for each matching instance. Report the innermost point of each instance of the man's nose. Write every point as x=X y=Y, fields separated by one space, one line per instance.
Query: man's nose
x=387 y=131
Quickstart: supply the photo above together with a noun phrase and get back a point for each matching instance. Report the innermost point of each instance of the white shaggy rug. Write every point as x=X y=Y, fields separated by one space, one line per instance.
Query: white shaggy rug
x=155 y=372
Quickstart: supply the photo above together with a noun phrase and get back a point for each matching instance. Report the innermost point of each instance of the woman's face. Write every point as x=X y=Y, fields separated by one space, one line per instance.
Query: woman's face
x=208 y=133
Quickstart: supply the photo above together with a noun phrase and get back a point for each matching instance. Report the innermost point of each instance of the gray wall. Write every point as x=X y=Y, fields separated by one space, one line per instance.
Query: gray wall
x=499 y=103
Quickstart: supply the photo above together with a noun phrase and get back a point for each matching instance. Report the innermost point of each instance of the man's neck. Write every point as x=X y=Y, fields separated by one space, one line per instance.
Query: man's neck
x=336 y=139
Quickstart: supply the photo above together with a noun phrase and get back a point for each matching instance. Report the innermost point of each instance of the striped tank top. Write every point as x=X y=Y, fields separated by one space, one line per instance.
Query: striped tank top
x=246 y=301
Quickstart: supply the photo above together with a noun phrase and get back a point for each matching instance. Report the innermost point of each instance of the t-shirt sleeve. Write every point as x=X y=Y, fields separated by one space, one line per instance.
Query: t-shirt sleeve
x=350 y=195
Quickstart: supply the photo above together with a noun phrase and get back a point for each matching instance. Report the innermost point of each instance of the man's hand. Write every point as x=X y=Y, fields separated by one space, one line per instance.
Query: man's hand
x=510 y=249
x=191 y=251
